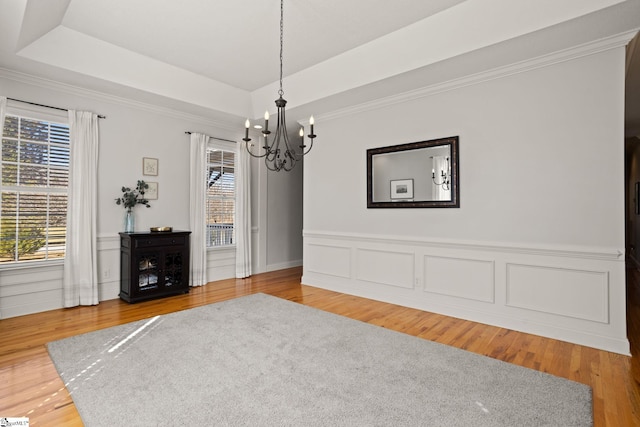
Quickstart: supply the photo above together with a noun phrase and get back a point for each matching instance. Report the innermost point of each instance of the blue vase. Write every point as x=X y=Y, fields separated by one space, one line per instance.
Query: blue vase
x=129 y=222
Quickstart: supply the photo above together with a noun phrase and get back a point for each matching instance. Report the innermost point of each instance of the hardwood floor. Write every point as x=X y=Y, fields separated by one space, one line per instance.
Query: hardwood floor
x=30 y=386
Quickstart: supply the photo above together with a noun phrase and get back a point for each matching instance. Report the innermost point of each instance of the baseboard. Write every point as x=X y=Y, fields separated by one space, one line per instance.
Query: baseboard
x=284 y=265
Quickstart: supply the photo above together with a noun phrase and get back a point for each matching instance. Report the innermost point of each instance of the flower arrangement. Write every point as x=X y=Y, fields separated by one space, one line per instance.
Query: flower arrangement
x=130 y=198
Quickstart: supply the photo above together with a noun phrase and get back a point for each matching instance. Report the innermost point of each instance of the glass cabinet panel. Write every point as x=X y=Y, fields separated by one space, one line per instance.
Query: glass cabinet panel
x=173 y=269
x=148 y=272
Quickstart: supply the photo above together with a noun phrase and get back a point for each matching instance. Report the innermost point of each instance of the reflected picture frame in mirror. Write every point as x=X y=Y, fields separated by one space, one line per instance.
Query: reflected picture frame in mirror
x=431 y=166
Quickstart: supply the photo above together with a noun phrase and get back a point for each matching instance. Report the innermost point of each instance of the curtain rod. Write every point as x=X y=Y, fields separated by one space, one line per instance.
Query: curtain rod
x=219 y=139
x=48 y=106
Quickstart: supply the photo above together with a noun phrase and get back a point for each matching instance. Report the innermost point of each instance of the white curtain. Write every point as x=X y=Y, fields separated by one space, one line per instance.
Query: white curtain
x=441 y=164
x=3 y=111
x=80 y=281
x=243 y=214
x=197 y=211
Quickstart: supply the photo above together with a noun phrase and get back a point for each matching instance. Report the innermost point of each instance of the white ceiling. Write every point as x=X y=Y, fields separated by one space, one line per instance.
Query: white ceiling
x=222 y=57
x=237 y=42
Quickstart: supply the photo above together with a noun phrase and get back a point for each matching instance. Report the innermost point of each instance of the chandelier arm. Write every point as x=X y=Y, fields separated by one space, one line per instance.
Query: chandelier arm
x=272 y=160
x=288 y=169
x=277 y=147
x=271 y=166
x=282 y=125
x=272 y=155
x=304 y=152
x=257 y=156
x=289 y=151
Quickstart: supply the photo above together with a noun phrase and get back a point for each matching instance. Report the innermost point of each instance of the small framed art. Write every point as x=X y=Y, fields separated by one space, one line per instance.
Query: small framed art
x=149 y=166
x=152 y=192
x=401 y=189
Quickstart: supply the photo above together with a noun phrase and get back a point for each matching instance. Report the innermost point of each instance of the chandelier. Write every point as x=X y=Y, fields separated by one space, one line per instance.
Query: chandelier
x=278 y=152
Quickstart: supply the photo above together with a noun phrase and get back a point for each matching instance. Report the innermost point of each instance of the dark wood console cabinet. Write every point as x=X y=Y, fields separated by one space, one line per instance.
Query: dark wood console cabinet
x=154 y=264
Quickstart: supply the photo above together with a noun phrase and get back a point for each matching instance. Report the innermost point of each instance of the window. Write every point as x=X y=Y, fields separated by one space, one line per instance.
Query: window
x=34 y=161
x=221 y=197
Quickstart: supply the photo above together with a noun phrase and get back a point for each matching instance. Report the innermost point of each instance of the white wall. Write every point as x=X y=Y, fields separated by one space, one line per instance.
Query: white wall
x=277 y=217
x=538 y=241
x=133 y=130
x=285 y=225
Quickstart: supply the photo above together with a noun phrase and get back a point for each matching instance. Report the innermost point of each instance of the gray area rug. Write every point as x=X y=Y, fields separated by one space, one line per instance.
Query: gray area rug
x=263 y=361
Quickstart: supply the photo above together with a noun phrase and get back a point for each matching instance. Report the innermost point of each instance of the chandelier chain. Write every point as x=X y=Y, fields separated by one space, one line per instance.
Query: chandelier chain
x=281 y=92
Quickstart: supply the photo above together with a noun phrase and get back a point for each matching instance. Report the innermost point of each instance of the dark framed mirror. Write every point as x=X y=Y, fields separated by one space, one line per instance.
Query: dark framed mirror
x=415 y=175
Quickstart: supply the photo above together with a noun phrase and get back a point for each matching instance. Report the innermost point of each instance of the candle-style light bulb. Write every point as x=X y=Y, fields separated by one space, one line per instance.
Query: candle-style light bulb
x=266 y=121
x=301 y=133
x=247 y=124
x=311 y=123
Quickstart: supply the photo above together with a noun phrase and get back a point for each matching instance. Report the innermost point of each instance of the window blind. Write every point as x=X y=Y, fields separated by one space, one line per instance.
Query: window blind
x=35 y=155
x=220 y=197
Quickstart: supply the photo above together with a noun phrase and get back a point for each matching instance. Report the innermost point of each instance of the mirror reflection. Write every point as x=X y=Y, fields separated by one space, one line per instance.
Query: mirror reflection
x=419 y=174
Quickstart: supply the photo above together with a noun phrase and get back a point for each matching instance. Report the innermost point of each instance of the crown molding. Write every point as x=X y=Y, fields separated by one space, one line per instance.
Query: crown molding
x=580 y=51
x=553 y=58
x=45 y=83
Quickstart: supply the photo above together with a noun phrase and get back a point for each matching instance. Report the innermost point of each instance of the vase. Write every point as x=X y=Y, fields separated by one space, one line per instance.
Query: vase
x=129 y=222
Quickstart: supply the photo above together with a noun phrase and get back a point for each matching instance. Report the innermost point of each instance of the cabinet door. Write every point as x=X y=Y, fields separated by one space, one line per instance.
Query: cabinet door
x=149 y=273
x=173 y=269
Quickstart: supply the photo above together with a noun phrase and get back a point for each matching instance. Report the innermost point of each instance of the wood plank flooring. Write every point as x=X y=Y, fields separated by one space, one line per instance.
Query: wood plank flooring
x=30 y=386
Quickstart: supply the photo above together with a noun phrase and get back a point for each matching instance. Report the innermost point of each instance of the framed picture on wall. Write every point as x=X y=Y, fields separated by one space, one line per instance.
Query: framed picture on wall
x=401 y=189
x=152 y=191
x=149 y=166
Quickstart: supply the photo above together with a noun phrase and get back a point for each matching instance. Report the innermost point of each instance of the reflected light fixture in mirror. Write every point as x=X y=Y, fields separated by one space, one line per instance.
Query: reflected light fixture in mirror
x=445 y=177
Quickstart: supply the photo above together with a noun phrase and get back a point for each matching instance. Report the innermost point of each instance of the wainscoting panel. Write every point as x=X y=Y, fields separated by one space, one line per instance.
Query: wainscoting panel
x=386 y=267
x=576 y=293
x=21 y=304
x=458 y=277
x=108 y=267
x=30 y=290
x=31 y=287
x=24 y=277
x=221 y=263
x=572 y=294
x=327 y=259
